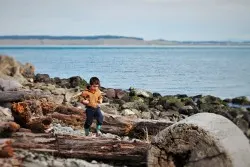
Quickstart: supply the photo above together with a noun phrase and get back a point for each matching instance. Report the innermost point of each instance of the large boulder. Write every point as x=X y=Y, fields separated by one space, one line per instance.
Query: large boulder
x=204 y=139
x=77 y=81
x=10 y=68
x=140 y=92
x=110 y=93
x=242 y=100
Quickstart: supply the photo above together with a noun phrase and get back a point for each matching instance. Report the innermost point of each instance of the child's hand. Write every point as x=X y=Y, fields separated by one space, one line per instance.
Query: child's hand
x=85 y=102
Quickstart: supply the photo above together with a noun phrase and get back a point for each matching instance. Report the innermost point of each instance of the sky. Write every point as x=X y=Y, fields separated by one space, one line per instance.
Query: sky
x=182 y=20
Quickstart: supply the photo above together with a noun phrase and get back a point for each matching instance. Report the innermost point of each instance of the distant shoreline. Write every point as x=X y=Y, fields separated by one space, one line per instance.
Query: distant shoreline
x=106 y=40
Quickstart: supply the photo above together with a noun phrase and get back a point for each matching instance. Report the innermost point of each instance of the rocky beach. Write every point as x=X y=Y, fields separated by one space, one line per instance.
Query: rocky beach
x=42 y=125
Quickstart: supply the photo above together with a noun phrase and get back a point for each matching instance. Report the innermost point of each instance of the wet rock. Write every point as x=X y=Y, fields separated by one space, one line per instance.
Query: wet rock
x=180 y=96
x=242 y=100
x=9 y=85
x=170 y=102
x=227 y=100
x=156 y=94
x=42 y=78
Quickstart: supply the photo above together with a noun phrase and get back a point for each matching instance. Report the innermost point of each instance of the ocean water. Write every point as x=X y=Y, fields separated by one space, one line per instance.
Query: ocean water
x=218 y=71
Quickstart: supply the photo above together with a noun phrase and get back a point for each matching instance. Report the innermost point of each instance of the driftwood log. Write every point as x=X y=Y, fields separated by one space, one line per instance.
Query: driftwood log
x=203 y=139
x=87 y=148
x=138 y=128
x=37 y=116
x=15 y=96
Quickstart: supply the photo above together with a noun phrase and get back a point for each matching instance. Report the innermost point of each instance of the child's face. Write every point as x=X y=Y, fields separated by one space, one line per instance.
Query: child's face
x=94 y=87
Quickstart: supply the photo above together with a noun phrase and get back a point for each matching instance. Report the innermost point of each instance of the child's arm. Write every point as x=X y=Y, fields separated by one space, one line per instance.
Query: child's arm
x=84 y=98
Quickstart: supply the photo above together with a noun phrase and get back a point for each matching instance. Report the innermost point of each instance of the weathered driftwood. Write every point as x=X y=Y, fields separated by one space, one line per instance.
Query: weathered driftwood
x=5 y=148
x=88 y=148
x=203 y=139
x=27 y=111
x=15 y=96
x=138 y=128
x=7 y=128
x=75 y=120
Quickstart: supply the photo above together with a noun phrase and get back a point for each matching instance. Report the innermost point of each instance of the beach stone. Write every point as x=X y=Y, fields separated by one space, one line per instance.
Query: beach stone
x=64 y=83
x=5 y=115
x=9 y=85
x=242 y=100
x=42 y=78
x=181 y=96
x=127 y=112
x=110 y=93
x=155 y=94
x=120 y=93
x=146 y=115
x=141 y=92
x=109 y=109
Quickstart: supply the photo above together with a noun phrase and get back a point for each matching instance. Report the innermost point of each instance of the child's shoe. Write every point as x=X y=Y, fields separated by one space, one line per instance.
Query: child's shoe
x=86 y=132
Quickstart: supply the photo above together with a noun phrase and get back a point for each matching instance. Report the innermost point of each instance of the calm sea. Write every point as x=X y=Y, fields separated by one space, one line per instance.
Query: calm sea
x=218 y=71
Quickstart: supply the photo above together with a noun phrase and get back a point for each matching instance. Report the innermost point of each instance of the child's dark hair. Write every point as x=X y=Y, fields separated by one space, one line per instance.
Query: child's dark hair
x=94 y=81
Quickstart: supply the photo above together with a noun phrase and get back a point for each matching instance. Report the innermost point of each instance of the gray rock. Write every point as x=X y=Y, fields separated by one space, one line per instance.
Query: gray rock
x=5 y=115
x=8 y=85
x=120 y=94
x=146 y=115
x=242 y=100
x=109 y=109
x=127 y=112
x=110 y=93
x=141 y=92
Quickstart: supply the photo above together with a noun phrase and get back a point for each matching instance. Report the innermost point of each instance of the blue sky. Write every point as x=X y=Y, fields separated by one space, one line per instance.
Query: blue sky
x=150 y=19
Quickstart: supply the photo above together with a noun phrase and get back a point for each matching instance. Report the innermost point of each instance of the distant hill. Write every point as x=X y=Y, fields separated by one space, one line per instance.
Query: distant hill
x=104 y=40
x=41 y=37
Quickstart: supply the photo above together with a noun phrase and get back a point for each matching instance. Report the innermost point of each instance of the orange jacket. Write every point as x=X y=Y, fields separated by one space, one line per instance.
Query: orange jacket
x=94 y=98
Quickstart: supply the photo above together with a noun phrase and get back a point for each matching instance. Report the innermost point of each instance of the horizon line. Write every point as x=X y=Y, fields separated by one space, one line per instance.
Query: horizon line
x=119 y=36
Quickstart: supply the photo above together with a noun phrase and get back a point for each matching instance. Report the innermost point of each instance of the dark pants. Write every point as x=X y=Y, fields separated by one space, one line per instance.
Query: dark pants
x=92 y=113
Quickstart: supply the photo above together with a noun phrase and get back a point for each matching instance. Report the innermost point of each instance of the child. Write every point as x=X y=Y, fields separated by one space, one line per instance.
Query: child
x=92 y=98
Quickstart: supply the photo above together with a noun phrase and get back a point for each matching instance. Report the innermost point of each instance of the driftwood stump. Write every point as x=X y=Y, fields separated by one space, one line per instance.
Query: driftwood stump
x=204 y=139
